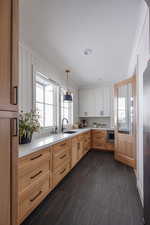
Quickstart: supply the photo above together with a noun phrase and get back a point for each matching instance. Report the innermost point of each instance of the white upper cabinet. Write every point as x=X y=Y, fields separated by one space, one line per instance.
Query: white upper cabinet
x=86 y=102
x=95 y=102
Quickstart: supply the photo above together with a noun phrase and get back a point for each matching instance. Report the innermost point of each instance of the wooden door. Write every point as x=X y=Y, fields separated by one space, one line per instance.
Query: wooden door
x=8 y=55
x=125 y=108
x=8 y=158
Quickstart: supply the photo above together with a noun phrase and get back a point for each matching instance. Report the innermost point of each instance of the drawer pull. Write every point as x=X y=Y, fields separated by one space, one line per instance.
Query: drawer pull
x=62 y=171
x=63 y=144
x=36 y=157
x=35 y=197
x=15 y=100
x=36 y=175
x=63 y=156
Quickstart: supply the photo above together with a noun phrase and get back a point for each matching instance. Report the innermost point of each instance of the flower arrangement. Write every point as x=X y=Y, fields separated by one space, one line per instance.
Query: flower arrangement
x=28 y=124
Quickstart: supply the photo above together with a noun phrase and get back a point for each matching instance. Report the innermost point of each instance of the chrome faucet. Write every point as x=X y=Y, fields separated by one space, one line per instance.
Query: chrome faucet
x=62 y=128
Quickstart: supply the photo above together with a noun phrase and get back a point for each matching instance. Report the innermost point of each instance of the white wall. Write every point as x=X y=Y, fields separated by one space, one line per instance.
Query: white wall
x=139 y=59
x=28 y=57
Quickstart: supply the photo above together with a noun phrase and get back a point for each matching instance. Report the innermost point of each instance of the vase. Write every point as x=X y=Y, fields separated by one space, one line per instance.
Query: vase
x=25 y=139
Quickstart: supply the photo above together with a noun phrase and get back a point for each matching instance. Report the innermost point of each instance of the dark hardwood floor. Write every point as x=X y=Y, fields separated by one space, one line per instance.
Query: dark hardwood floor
x=98 y=191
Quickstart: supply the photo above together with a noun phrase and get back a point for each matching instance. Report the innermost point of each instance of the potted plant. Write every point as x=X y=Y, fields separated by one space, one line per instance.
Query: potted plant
x=28 y=124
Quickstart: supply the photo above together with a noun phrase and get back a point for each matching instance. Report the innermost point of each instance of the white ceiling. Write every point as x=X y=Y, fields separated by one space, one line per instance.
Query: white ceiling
x=60 y=30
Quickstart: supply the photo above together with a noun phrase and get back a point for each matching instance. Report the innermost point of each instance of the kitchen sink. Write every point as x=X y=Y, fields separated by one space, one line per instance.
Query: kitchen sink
x=70 y=132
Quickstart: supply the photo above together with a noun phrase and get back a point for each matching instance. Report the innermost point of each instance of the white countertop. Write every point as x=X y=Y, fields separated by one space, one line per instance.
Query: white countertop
x=45 y=142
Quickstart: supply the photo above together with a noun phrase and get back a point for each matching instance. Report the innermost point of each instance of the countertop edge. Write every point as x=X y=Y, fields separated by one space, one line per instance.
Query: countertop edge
x=28 y=149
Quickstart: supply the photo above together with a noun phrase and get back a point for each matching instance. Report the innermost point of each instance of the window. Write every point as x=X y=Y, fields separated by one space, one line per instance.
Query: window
x=46 y=101
x=66 y=109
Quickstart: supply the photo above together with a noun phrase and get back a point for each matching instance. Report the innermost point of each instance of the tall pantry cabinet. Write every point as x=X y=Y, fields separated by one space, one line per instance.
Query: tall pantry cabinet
x=8 y=110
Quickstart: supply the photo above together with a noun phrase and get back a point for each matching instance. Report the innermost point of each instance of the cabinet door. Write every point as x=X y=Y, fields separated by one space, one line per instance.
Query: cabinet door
x=107 y=101
x=99 y=101
x=83 y=103
x=8 y=162
x=74 y=155
x=86 y=102
x=8 y=54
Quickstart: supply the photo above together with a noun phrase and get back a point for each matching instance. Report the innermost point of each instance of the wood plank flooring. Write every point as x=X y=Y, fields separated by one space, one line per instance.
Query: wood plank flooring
x=98 y=191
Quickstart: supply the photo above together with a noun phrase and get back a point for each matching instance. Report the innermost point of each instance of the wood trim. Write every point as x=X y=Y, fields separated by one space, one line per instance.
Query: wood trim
x=8 y=114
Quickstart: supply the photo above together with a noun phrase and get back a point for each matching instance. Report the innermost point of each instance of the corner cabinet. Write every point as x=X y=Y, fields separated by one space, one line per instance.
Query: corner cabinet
x=95 y=102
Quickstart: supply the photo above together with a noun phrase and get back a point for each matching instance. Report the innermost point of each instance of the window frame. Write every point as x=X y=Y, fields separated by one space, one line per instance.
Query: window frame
x=57 y=97
x=55 y=104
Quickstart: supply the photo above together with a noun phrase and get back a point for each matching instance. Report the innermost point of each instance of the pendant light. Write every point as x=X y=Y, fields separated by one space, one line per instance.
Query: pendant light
x=67 y=95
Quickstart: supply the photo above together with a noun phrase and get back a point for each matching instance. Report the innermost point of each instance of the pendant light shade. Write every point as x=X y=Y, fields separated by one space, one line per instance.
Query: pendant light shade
x=68 y=95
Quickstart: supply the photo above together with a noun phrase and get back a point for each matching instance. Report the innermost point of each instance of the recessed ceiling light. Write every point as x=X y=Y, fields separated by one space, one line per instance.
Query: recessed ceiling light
x=88 y=51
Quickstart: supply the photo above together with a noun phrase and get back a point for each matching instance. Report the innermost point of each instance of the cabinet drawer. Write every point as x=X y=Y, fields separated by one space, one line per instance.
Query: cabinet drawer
x=32 y=161
x=99 y=133
x=61 y=173
x=32 y=196
x=99 y=139
x=32 y=176
x=61 y=146
x=60 y=157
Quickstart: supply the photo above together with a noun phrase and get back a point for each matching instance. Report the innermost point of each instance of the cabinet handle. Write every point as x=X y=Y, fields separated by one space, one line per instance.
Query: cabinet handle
x=62 y=171
x=35 y=197
x=63 y=156
x=37 y=174
x=15 y=95
x=14 y=127
x=36 y=157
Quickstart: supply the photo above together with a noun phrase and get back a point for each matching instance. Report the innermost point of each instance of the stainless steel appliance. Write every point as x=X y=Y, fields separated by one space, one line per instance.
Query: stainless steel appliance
x=110 y=136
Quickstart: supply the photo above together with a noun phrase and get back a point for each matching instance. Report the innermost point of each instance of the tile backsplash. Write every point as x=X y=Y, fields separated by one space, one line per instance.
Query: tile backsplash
x=100 y=121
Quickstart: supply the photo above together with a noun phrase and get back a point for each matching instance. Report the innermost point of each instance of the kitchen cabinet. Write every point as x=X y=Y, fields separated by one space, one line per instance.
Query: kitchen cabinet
x=9 y=55
x=99 y=140
x=40 y=172
x=8 y=110
x=61 y=160
x=74 y=151
x=81 y=151
x=34 y=181
x=87 y=141
x=86 y=102
x=8 y=158
x=95 y=102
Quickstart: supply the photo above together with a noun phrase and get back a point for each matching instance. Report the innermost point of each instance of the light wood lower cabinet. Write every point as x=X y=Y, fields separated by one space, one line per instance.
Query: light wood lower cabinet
x=99 y=140
x=34 y=181
x=33 y=195
x=60 y=173
x=74 y=151
x=61 y=153
x=40 y=172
